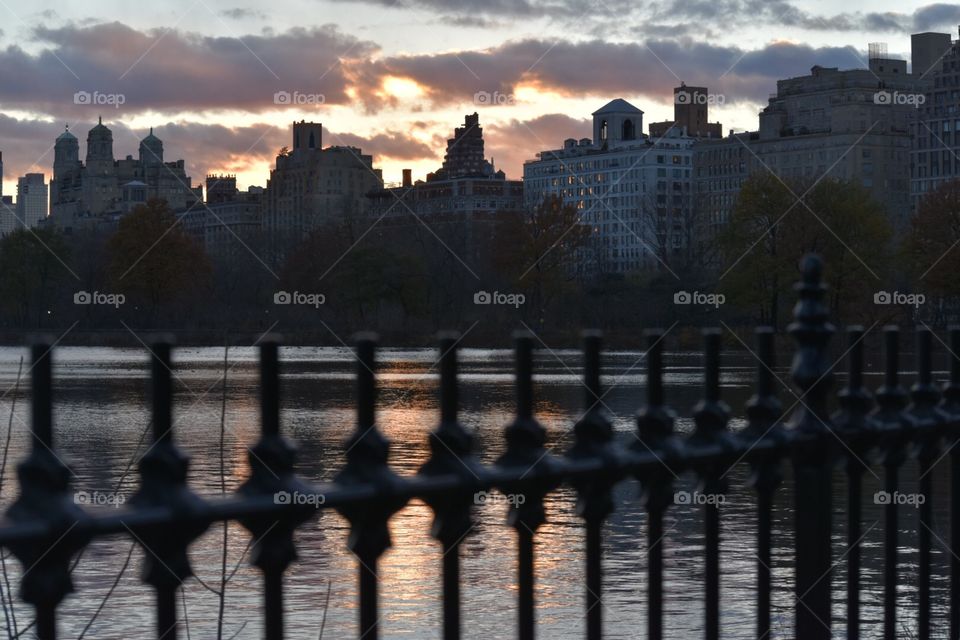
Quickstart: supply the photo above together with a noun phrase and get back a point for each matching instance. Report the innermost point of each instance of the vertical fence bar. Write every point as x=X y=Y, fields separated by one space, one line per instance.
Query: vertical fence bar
x=271 y=474
x=525 y=568
x=451 y=448
x=525 y=450
x=711 y=417
x=851 y=423
x=813 y=465
x=367 y=556
x=45 y=498
x=888 y=420
x=655 y=433
x=925 y=418
x=451 y=547
x=162 y=399
x=593 y=438
x=163 y=483
x=42 y=434
x=763 y=423
x=951 y=408
x=367 y=451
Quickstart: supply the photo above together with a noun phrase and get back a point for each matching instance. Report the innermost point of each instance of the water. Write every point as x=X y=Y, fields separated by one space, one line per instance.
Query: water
x=101 y=416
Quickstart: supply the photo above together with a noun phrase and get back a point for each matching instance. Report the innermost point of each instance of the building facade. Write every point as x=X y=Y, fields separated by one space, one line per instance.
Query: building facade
x=633 y=191
x=466 y=185
x=845 y=124
x=86 y=192
x=311 y=186
x=32 y=198
x=230 y=224
x=936 y=131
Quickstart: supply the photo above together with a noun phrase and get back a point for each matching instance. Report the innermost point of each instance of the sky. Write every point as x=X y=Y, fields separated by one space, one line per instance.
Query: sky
x=221 y=82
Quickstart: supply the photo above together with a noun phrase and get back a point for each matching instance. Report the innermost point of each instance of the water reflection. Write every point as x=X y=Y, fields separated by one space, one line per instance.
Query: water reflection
x=102 y=420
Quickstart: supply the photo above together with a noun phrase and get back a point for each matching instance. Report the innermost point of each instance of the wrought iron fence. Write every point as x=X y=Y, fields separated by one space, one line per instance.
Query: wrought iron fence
x=44 y=528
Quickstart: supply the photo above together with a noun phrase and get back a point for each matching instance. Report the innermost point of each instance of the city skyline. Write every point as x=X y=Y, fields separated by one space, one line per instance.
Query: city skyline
x=220 y=84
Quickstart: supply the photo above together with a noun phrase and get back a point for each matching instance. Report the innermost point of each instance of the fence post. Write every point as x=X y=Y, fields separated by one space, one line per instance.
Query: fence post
x=711 y=416
x=451 y=452
x=888 y=421
x=852 y=424
x=45 y=497
x=525 y=450
x=271 y=474
x=367 y=451
x=764 y=413
x=813 y=463
x=950 y=406
x=925 y=419
x=593 y=438
x=655 y=434
x=163 y=483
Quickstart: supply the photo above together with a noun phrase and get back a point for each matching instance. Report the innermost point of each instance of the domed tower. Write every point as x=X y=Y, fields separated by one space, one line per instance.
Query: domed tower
x=101 y=188
x=66 y=184
x=66 y=152
x=151 y=150
x=616 y=123
x=100 y=150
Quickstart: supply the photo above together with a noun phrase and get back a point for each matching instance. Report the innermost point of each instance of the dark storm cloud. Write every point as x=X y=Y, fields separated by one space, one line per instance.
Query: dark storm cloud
x=601 y=68
x=169 y=70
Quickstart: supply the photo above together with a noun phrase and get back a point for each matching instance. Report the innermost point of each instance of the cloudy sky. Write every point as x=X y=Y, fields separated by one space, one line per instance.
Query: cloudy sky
x=395 y=76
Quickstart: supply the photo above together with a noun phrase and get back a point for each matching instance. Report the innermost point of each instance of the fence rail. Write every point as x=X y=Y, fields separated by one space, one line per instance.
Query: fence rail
x=45 y=529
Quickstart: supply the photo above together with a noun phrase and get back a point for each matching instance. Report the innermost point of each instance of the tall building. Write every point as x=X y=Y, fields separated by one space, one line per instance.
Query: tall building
x=311 y=186
x=850 y=124
x=467 y=185
x=230 y=223
x=936 y=131
x=221 y=188
x=690 y=114
x=85 y=192
x=31 y=207
x=632 y=190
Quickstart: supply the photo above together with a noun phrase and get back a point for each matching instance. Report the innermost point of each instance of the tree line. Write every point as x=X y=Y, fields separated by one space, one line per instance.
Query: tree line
x=407 y=277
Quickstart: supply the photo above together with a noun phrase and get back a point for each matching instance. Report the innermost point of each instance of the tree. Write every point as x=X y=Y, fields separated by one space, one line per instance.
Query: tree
x=32 y=270
x=537 y=252
x=153 y=260
x=930 y=248
x=770 y=230
x=360 y=277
